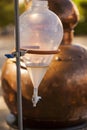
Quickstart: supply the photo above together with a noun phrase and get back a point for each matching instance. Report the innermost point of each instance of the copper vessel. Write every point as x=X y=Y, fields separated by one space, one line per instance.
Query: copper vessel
x=64 y=87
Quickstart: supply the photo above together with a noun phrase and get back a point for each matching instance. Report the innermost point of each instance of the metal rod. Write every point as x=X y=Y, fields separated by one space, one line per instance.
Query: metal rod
x=36 y=52
x=19 y=91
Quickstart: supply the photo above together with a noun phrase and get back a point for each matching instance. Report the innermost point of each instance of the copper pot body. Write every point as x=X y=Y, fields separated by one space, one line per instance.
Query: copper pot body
x=63 y=89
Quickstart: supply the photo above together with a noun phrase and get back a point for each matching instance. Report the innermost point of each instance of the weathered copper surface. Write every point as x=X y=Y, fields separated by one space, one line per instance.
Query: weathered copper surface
x=63 y=89
x=66 y=10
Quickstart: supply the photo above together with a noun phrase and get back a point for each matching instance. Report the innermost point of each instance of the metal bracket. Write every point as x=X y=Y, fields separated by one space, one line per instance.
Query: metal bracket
x=16 y=54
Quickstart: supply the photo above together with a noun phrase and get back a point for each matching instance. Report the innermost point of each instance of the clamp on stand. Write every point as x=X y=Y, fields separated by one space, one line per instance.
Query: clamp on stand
x=16 y=54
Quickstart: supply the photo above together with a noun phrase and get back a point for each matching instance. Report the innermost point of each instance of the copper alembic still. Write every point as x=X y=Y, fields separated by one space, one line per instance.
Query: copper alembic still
x=62 y=100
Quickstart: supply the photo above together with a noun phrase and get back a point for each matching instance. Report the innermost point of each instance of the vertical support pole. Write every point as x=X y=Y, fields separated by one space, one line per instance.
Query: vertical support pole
x=19 y=91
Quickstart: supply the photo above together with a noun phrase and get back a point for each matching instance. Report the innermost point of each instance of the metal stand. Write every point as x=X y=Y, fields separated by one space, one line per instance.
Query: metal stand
x=19 y=93
x=12 y=121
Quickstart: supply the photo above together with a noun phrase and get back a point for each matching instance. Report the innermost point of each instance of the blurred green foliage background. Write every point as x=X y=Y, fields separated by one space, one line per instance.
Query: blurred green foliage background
x=7 y=15
x=81 y=28
x=7 y=12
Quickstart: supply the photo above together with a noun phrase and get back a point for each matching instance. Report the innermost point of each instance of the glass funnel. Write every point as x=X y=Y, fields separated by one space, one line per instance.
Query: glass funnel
x=41 y=33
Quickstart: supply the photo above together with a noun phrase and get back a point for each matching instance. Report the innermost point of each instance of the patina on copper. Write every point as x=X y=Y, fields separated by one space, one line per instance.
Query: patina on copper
x=64 y=87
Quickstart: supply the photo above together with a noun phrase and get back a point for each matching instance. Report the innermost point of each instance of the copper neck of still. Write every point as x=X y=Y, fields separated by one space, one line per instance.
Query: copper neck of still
x=67 y=37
